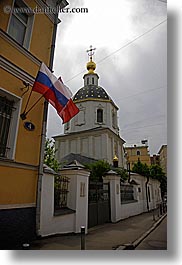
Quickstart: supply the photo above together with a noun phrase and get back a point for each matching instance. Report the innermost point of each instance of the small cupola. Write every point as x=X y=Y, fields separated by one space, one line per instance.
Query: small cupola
x=91 y=78
x=115 y=161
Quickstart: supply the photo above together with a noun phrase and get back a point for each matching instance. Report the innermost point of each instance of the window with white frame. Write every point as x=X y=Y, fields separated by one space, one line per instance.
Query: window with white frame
x=20 y=25
x=9 y=117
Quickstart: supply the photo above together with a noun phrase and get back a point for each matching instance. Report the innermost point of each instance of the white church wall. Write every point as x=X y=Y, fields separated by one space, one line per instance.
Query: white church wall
x=91 y=149
x=50 y=224
x=130 y=209
x=97 y=147
x=104 y=147
x=121 y=210
x=84 y=146
x=87 y=117
x=78 y=145
x=77 y=200
x=72 y=146
x=101 y=145
x=78 y=196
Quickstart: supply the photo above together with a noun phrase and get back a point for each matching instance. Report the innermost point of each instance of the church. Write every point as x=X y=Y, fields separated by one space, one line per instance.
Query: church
x=93 y=134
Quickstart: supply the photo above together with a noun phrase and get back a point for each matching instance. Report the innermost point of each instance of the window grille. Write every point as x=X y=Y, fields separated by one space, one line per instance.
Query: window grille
x=127 y=193
x=61 y=192
x=6 y=109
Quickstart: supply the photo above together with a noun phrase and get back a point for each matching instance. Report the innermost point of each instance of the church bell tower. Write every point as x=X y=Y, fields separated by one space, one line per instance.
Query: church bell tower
x=97 y=109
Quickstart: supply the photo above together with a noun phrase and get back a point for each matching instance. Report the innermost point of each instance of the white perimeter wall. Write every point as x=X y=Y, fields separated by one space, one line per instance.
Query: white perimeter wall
x=124 y=210
x=77 y=201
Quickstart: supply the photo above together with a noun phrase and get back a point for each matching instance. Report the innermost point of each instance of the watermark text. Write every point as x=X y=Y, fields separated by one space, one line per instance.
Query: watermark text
x=39 y=10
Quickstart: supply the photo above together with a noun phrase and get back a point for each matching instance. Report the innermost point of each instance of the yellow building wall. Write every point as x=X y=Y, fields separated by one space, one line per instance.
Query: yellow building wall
x=4 y=18
x=42 y=35
x=40 y=43
x=144 y=157
x=28 y=142
x=18 y=185
x=15 y=56
x=163 y=158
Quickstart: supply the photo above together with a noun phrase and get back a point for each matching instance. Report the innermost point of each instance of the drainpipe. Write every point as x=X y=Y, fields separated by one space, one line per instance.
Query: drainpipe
x=146 y=183
x=129 y=171
x=44 y=125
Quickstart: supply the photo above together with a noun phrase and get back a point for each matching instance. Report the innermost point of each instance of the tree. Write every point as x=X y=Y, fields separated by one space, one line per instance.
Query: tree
x=156 y=172
x=50 y=155
x=98 y=169
x=101 y=167
x=141 y=169
x=153 y=171
x=122 y=172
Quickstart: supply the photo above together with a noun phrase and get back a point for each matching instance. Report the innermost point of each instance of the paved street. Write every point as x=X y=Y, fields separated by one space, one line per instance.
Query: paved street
x=157 y=240
x=106 y=237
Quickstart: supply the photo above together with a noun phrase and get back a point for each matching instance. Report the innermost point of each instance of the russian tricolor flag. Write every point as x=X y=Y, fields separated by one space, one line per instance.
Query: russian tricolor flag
x=56 y=93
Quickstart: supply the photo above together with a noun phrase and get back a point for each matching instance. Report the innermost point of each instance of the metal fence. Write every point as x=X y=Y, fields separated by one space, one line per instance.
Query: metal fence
x=60 y=192
x=127 y=193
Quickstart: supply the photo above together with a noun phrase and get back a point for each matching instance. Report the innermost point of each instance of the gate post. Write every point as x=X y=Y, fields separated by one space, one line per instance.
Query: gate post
x=78 y=193
x=113 y=179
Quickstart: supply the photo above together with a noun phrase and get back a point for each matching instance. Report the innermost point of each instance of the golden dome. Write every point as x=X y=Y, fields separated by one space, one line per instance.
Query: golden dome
x=115 y=158
x=91 y=66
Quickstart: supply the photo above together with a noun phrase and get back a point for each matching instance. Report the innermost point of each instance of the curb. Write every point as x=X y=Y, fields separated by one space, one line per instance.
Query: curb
x=141 y=238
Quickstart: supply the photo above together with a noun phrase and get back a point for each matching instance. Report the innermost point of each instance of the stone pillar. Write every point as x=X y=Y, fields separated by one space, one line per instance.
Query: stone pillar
x=47 y=201
x=90 y=144
x=104 y=146
x=77 y=200
x=78 y=194
x=114 y=179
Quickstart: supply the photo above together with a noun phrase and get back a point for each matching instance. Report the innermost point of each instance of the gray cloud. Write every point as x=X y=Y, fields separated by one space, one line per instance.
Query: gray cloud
x=135 y=77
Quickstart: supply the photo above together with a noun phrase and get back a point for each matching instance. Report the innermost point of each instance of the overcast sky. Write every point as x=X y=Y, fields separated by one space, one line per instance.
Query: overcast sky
x=131 y=55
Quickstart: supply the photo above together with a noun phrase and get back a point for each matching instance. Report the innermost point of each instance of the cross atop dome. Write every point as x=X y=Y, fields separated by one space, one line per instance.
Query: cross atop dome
x=91 y=52
x=91 y=65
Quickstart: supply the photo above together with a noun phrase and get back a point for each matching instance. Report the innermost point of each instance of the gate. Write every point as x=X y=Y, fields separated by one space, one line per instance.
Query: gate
x=98 y=203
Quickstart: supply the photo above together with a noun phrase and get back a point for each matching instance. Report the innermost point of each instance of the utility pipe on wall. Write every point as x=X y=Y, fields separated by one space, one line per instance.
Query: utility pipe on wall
x=61 y=4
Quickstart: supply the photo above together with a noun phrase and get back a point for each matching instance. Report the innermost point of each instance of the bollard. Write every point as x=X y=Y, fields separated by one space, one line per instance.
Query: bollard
x=158 y=210
x=25 y=246
x=161 y=209
x=153 y=213
x=82 y=237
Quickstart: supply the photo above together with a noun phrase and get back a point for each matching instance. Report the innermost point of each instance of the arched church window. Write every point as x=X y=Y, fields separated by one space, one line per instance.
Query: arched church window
x=87 y=80
x=138 y=153
x=100 y=115
x=92 y=80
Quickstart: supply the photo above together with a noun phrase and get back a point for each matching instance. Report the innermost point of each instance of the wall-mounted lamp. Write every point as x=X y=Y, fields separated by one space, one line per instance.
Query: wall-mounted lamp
x=26 y=85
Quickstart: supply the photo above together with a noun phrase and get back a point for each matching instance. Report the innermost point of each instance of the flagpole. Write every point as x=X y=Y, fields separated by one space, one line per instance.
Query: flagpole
x=43 y=133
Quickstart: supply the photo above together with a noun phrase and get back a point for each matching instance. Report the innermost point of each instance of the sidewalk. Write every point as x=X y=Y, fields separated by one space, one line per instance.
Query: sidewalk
x=106 y=237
